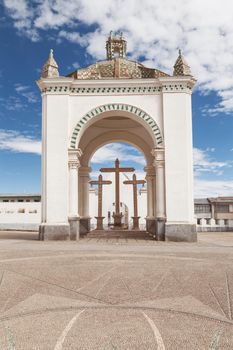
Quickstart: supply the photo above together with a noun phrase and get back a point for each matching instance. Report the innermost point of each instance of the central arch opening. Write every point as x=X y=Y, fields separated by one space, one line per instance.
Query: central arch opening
x=109 y=137
x=130 y=192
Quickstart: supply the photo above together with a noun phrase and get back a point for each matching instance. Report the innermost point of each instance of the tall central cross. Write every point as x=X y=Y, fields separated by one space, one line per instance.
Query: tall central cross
x=117 y=215
x=135 y=184
x=100 y=182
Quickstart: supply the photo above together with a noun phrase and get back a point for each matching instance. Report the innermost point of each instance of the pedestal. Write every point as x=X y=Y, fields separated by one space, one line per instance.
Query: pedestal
x=117 y=219
x=74 y=228
x=84 y=225
x=100 y=220
x=151 y=226
x=160 y=229
x=54 y=232
x=180 y=232
x=135 y=222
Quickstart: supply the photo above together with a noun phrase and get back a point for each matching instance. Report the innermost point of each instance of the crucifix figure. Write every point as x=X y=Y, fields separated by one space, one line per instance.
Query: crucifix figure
x=135 y=182
x=117 y=215
x=100 y=182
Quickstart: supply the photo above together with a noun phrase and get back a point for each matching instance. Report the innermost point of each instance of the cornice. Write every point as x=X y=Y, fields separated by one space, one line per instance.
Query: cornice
x=71 y=86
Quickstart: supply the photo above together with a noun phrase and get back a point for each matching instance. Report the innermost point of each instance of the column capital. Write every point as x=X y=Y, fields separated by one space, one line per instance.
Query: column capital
x=75 y=152
x=85 y=170
x=150 y=170
x=73 y=158
x=158 y=154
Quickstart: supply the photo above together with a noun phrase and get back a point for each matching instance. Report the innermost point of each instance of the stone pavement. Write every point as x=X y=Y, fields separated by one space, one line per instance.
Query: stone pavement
x=116 y=293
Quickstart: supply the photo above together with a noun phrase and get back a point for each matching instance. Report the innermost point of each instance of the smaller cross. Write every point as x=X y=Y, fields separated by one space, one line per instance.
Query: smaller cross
x=100 y=182
x=135 y=182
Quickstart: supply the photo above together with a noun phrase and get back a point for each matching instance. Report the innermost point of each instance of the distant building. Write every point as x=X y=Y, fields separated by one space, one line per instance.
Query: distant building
x=20 y=211
x=212 y=213
x=20 y=197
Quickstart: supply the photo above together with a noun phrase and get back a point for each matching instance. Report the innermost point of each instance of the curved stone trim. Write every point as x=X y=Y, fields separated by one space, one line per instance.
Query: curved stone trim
x=116 y=107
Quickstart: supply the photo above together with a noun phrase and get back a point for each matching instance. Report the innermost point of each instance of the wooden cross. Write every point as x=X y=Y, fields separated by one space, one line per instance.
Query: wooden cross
x=135 y=182
x=117 y=170
x=100 y=182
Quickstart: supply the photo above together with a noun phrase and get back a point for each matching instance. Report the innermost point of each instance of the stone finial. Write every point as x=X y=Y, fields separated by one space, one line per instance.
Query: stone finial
x=50 y=68
x=181 y=67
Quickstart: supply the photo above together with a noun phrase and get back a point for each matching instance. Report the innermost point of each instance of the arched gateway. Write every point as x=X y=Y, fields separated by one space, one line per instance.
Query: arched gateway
x=117 y=100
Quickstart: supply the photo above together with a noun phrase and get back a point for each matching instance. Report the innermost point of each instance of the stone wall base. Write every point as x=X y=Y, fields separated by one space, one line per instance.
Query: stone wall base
x=54 y=232
x=180 y=232
x=84 y=225
x=74 y=228
x=214 y=229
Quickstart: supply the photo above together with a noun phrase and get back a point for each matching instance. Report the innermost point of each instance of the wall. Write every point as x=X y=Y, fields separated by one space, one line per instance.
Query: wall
x=20 y=216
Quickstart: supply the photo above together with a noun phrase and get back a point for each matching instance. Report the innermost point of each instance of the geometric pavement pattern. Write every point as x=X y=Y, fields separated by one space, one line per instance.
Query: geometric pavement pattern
x=117 y=294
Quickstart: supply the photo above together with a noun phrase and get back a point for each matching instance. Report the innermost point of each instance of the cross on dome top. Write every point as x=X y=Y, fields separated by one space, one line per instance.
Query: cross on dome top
x=116 y=46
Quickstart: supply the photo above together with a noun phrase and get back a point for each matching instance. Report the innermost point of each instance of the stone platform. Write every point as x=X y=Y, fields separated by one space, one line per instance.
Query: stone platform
x=116 y=293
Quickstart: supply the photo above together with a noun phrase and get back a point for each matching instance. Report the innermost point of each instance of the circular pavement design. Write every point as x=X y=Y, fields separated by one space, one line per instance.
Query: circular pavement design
x=116 y=295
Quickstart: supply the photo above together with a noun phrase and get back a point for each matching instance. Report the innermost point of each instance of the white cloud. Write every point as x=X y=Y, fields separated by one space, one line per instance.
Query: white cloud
x=208 y=188
x=154 y=29
x=109 y=153
x=12 y=103
x=24 y=90
x=16 y=142
x=204 y=163
x=22 y=15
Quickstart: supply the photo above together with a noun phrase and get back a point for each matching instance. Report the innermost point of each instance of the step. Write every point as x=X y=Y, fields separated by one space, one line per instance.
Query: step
x=108 y=234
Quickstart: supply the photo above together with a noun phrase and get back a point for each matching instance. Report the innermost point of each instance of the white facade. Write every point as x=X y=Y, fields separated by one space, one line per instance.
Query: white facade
x=117 y=100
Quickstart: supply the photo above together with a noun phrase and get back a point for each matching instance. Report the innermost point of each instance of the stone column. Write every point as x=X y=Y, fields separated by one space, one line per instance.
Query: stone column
x=73 y=162
x=159 y=163
x=212 y=211
x=84 y=176
x=150 y=219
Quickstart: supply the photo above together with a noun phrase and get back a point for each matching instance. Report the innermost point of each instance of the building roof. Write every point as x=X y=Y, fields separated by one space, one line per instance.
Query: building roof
x=228 y=199
x=19 y=195
x=116 y=65
x=201 y=201
x=117 y=68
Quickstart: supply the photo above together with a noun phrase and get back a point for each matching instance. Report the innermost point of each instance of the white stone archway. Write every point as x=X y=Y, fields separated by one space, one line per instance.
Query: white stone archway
x=158 y=105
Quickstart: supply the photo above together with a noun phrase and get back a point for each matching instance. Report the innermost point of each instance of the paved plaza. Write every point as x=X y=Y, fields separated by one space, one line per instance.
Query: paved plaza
x=116 y=293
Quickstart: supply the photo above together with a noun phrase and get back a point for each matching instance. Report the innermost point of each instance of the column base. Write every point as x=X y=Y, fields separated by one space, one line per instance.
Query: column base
x=100 y=220
x=74 y=228
x=160 y=229
x=180 y=232
x=117 y=219
x=156 y=228
x=151 y=226
x=84 y=225
x=54 y=232
x=135 y=222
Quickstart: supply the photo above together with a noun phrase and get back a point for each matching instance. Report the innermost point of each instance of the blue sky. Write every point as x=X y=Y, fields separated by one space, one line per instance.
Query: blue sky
x=77 y=31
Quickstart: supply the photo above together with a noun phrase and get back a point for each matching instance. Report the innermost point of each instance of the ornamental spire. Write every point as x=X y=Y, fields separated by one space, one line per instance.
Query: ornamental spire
x=116 y=46
x=181 y=67
x=50 y=68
